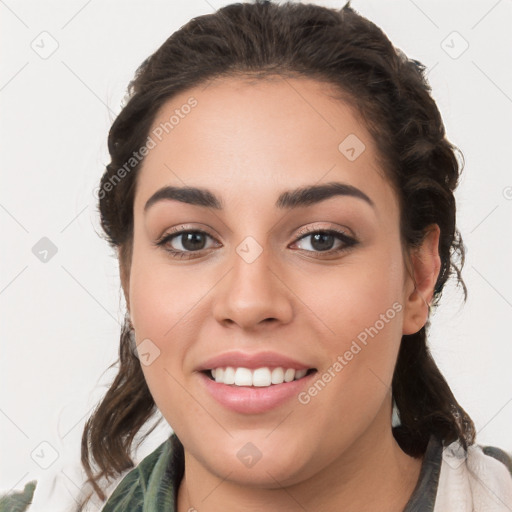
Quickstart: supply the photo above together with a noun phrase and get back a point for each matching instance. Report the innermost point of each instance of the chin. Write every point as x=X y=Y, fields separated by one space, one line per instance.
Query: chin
x=261 y=461
x=268 y=474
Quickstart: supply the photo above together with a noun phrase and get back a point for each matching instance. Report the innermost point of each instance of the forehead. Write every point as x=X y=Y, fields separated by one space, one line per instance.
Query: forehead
x=254 y=138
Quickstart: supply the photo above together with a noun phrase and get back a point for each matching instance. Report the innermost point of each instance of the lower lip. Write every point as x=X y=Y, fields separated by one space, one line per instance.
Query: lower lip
x=254 y=400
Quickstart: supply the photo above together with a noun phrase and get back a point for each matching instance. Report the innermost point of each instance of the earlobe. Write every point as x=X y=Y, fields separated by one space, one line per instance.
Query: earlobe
x=425 y=265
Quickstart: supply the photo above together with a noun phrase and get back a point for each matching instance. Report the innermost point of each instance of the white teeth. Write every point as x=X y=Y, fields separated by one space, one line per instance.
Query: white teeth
x=219 y=374
x=300 y=373
x=260 y=377
x=277 y=376
x=229 y=375
x=289 y=375
x=243 y=377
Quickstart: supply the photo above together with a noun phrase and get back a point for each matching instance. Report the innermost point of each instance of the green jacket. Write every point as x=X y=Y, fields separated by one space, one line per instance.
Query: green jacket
x=152 y=486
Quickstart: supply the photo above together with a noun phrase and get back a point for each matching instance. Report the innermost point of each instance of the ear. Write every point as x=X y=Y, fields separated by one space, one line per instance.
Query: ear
x=124 y=274
x=423 y=270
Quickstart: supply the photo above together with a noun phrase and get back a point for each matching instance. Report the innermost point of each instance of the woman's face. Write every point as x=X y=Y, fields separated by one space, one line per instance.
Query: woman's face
x=257 y=280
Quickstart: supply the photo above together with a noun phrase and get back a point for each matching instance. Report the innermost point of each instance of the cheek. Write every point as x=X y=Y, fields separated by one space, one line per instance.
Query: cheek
x=161 y=297
x=160 y=319
x=355 y=296
x=362 y=308
x=165 y=303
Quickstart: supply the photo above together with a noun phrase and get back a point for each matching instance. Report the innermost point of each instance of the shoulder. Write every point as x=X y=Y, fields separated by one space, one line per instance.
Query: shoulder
x=499 y=454
x=145 y=485
x=479 y=479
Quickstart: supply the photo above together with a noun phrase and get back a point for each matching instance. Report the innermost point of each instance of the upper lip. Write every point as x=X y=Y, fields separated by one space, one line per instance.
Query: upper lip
x=252 y=360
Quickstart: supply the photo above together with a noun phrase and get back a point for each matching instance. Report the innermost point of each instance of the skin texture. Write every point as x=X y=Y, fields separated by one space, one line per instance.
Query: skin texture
x=248 y=142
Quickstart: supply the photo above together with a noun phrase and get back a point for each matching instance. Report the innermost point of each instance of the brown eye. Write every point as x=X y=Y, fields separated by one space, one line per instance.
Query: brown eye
x=183 y=242
x=192 y=240
x=322 y=241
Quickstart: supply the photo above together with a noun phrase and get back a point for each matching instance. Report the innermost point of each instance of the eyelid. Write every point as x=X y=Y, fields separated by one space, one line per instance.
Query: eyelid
x=176 y=230
x=308 y=229
x=335 y=228
x=348 y=240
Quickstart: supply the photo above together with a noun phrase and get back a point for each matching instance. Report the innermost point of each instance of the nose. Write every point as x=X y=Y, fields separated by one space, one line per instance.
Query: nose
x=253 y=294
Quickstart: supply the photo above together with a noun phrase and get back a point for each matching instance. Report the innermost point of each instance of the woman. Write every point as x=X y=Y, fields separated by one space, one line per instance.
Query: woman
x=280 y=194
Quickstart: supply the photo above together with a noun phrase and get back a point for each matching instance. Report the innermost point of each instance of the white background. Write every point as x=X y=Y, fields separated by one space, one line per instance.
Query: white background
x=60 y=322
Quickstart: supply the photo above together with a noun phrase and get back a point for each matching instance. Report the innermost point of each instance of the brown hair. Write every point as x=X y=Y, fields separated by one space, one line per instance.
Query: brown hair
x=389 y=91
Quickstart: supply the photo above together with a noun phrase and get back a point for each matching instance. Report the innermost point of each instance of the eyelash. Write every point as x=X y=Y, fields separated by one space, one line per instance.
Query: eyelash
x=348 y=241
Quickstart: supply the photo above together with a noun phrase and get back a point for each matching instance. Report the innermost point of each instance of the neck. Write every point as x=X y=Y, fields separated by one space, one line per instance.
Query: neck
x=373 y=474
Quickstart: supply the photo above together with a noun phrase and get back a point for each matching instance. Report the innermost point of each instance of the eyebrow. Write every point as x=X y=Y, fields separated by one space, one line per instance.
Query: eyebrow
x=296 y=198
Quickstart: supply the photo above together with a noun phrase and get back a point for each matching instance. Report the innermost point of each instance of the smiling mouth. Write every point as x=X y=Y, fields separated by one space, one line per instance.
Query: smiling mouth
x=259 y=377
